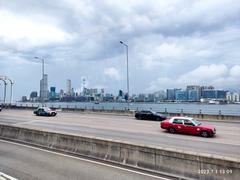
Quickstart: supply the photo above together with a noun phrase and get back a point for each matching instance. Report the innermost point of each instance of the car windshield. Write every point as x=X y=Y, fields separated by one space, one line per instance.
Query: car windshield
x=47 y=109
x=153 y=112
x=196 y=122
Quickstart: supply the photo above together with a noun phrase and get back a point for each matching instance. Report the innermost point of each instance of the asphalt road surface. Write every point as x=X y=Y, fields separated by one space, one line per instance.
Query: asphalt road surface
x=29 y=163
x=125 y=128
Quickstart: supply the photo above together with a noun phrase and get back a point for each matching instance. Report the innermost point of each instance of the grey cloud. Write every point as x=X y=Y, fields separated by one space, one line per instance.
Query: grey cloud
x=163 y=36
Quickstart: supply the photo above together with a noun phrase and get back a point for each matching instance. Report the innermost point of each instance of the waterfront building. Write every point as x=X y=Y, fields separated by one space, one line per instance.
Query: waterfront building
x=193 y=95
x=93 y=92
x=214 y=94
x=160 y=95
x=181 y=95
x=120 y=93
x=33 y=96
x=24 y=98
x=236 y=97
x=194 y=92
x=171 y=94
x=210 y=94
x=69 y=87
x=151 y=98
x=44 y=88
x=229 y=96
x=61 y=94
x=52 y=94
x=221 y=94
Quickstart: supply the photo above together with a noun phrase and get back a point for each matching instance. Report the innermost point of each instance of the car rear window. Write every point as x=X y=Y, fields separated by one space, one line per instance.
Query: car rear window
x=177 y=121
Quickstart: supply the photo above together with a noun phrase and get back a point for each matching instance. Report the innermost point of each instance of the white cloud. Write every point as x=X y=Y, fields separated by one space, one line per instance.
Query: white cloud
x=25 y=32
x=219 y=76
x=204 y=74
x=112 y=73
x=171 y=43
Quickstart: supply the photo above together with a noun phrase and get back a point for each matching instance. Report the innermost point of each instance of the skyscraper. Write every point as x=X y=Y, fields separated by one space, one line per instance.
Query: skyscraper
x=44 y=88
x=69 y=87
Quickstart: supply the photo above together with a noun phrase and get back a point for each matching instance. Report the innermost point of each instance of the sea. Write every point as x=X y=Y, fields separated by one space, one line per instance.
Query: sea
x=192 y=108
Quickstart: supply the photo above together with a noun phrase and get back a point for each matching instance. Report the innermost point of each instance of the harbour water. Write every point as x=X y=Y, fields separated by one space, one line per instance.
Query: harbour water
x=193 y=108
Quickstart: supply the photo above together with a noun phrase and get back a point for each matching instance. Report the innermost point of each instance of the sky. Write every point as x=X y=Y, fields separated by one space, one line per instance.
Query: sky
x=171 y=44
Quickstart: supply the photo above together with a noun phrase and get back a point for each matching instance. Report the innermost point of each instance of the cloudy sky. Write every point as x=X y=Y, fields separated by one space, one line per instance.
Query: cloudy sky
x=171 y=43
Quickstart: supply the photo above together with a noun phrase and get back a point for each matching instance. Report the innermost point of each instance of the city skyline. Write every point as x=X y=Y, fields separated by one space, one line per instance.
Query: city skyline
x=170 y=44
x=191 y=93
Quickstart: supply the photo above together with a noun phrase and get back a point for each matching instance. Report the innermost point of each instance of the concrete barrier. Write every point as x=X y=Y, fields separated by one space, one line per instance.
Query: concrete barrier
x=152 y=158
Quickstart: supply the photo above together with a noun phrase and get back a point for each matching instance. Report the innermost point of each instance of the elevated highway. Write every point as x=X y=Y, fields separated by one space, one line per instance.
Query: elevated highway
x=225 y=143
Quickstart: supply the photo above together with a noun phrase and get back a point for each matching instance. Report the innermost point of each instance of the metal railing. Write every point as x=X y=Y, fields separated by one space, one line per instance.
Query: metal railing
x=133 y=107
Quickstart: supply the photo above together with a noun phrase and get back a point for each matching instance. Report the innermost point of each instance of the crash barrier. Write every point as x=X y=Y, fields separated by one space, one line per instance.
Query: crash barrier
x=199 y=115
x=153 y=158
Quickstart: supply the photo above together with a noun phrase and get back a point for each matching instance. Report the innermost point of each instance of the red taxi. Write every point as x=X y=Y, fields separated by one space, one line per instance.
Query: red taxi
x=188 y=125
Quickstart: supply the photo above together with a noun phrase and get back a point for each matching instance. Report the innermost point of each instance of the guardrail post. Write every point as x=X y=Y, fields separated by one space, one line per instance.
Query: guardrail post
x=181 y=112
x=200 y=114
x=165 y=110
x=219 y=112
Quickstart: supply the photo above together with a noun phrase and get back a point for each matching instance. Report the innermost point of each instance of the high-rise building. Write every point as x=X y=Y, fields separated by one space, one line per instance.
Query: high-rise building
x=84 y=84
x=194 y=92
x=33 y=96
x=52 y=94
x=193 y=95
x=171 y=94
x=44 y=88
x=120 y=93
x=93 y=91
x=69 y=87
x=181 y=95
x=214 y=94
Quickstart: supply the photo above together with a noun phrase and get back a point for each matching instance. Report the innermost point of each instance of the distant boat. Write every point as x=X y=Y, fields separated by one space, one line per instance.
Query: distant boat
x=96 y=102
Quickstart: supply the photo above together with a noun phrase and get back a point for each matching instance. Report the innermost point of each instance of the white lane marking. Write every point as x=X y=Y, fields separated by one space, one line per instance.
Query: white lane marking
x=86 y=160
x=7 y=177
x=27 y=122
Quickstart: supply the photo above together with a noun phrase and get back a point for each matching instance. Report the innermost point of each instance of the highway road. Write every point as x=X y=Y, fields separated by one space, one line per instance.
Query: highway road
x=125 y=128
x=28 y=163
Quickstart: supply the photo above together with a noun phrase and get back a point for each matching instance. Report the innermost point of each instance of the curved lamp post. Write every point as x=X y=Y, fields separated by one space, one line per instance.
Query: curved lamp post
x=5 y=79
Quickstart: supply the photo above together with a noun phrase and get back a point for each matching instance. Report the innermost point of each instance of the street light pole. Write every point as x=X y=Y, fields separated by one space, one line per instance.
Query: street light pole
x=5 y=90
x=11 y=82
x=127 y=72
x=42 y=75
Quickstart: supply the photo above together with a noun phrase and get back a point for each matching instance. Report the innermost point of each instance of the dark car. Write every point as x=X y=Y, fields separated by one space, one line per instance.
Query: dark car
x=150 y=115
x=0 y=108
x=44 y=111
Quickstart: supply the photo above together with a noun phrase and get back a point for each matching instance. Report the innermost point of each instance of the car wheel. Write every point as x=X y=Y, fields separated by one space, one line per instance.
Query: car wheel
x=158 y=119
x=172 y=130
x=204 y=133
